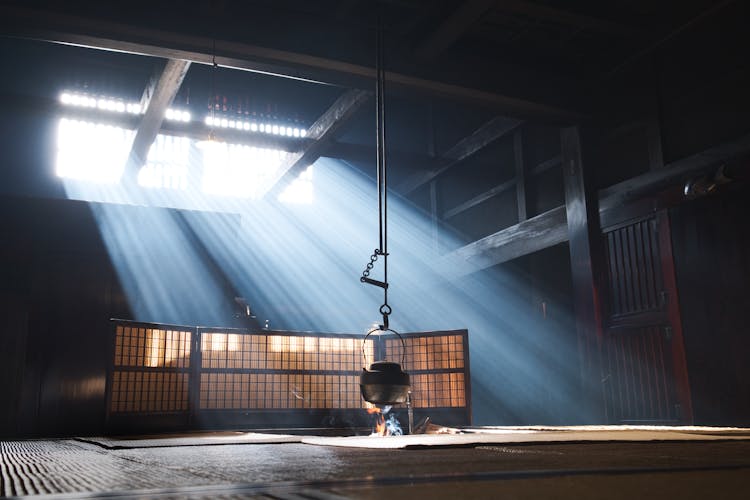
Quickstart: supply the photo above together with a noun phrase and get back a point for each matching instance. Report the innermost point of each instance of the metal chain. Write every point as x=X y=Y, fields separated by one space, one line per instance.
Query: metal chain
x=371 y=264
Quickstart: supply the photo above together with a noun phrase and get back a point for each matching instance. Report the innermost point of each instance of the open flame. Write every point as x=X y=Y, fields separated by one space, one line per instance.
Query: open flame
x=383 y=426
x=379 y=429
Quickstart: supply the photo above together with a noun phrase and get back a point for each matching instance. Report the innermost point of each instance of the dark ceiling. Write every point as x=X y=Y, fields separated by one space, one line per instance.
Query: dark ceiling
x=545 y=51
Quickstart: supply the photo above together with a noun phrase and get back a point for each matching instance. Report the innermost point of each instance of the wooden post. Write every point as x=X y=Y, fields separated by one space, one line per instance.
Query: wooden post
x=434 y=215
x=584 y=235
x=520 y=175
x=434 y=202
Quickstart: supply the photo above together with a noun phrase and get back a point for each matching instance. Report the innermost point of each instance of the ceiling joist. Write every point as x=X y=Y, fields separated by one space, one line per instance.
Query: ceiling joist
x=320 y=134
x=550 y=228
x=161 y=98
x=480 y=138
x=72 y=30
x=452 y=28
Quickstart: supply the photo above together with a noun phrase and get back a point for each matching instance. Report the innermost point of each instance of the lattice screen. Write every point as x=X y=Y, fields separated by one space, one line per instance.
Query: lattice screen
x=250 y=371
x=165 y=369
x=436 y=365
x=151 y=370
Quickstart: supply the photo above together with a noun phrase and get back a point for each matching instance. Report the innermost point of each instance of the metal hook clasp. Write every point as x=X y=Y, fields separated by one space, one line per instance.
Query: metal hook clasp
x=385 y=310
x=373 y=330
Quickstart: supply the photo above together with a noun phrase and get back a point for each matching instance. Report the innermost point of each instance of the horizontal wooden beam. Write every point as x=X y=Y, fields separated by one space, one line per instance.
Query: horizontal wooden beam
x=319 y=134
x=366 y=153
x=550 y=228
x=86 y=32
x=451 y=29
x=546 y=165
x=676 y=172
x=500 y=188
x=536 y=11
x=480 y=138
x=531 y=235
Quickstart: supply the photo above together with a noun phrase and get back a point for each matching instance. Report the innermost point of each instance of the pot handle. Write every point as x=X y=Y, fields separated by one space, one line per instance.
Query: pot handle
x=403 y=344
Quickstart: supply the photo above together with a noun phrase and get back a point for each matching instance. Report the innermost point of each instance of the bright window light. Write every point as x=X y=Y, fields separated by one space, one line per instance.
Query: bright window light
x=235 y=170
x=228 y=122
x=111 y=104
x=300 y=191
x=167 y=165
x=98 y=153
x=91 y=152
x=177 y=115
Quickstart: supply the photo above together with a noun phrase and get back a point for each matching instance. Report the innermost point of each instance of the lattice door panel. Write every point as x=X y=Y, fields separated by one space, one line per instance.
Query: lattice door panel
x=643 y=359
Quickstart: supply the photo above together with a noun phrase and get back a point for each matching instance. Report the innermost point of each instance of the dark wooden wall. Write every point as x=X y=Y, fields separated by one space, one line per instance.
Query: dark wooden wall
x=58 y=292
x=711 y=245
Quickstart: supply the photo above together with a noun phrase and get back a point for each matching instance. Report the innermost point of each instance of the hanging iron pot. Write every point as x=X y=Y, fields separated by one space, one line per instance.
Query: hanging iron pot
x=384 y=382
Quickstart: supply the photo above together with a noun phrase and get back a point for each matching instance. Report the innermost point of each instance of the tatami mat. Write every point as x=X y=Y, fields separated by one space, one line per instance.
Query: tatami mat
x=192 y=439
x=521 y=435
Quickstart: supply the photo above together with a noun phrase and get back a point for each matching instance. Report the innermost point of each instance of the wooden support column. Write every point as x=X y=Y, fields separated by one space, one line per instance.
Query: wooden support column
x=520 y=175
x=584 y=235
x=434 y=215
x=434 y=201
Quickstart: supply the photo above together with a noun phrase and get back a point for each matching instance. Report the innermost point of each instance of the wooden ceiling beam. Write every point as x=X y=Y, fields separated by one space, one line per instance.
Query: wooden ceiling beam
x=164 y=92
x=565 y=17
x=479 y=139
x=551 y=227
x=319 y=135
x=86 y=32
x=452 y=28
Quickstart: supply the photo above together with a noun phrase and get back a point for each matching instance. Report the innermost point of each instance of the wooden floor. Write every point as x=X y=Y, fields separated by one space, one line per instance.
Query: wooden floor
x=634 y=470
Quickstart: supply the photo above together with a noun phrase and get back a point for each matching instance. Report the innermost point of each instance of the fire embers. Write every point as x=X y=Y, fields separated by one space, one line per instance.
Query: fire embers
x=385 y=424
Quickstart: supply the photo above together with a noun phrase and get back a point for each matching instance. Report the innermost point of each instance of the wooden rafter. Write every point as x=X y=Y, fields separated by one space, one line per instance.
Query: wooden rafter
x=550 y=228
x=452 y=28
x=319 y=135
x=480 y=138
x=105 y=35
x=161 y=98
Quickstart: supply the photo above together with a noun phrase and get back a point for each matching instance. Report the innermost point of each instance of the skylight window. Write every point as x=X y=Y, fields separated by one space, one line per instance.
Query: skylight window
x=178 y=115
x=97 y=153
x=167 y=165
x=236 y=170
x=91 y=152
x=255 y=126
x=117 y=105
x=102 y=103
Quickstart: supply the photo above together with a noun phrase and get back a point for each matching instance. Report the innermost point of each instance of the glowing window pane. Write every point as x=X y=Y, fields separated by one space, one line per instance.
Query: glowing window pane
x=236 y=170
x=91 y=152
x=167 y=164
x=98 y=153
